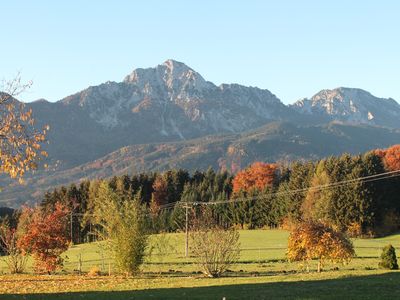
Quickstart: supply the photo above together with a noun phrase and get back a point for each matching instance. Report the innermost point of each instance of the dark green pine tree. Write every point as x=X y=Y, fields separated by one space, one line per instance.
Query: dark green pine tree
x=299 y=179
x=388 y=258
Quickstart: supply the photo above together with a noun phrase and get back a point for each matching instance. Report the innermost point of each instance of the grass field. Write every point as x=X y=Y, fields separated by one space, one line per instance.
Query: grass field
x=261 y=273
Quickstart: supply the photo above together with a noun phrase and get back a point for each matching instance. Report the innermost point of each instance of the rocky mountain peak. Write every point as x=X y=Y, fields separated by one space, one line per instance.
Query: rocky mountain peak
x=351 y=105
x=174 y=67
x=172 y=74
x=171 y=101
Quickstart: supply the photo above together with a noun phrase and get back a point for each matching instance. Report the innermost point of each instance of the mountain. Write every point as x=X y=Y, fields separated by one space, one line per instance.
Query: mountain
x=169 y=116
x=351 y=105
x=276 y=141
x=170 y=102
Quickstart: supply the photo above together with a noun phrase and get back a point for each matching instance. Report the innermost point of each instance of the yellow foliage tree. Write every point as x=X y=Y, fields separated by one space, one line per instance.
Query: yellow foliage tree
x=315 y=240
x=20 y=142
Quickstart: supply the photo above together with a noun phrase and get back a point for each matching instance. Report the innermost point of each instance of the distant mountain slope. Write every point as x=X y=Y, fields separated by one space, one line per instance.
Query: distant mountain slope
x=273 y=142
x=170 y=102
x=351 y=105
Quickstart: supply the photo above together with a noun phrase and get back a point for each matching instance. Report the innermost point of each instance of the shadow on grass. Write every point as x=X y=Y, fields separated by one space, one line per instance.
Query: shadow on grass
x=384 y=286
x=228 y=273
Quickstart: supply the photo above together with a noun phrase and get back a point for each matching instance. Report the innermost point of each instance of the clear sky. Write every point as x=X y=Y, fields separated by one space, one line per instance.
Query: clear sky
x=293 y=48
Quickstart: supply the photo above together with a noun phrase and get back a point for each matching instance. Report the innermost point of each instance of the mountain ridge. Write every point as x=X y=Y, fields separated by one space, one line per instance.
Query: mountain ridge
x=170 y=102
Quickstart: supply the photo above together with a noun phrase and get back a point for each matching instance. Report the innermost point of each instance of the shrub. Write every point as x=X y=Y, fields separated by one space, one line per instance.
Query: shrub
x=388 y=258
x=94 y=271
x=123 y=227
x=214 y=247
x=14 y=257
x=314 y=240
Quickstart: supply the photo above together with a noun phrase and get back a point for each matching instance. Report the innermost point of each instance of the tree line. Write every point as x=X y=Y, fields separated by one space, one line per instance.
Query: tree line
x=262 y=195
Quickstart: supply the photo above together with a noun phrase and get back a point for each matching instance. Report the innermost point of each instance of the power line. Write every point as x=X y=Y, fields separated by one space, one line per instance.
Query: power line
x=364 y=179
x=290 y=192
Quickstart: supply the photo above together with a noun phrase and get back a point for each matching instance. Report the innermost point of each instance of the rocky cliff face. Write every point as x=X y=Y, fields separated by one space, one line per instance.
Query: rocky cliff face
x=170 y=102
x=351 y=105
x=178 y=102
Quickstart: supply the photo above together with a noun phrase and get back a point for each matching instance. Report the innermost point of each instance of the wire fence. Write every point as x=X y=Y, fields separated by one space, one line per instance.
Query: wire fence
x=80 y=259
x=254 y=255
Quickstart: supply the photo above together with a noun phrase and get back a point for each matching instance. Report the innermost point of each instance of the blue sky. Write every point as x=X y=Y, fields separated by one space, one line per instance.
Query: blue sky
x=293 y=48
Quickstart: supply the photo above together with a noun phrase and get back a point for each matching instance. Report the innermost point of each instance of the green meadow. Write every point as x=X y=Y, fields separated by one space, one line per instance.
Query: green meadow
x=261 y=273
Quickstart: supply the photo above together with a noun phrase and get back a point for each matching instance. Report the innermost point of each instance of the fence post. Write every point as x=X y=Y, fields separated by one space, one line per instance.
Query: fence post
x=80 y=264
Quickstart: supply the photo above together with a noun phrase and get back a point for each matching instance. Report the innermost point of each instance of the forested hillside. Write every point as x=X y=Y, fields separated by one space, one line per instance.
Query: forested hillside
x=275 y=142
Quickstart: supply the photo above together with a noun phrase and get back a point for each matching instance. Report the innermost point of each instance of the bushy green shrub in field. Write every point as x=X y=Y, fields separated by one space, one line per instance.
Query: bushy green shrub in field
x=388 y=258
x=124 y=227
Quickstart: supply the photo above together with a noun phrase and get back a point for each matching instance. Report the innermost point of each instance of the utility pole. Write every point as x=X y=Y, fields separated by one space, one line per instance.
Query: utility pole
x=187 y=230
x=72 y=229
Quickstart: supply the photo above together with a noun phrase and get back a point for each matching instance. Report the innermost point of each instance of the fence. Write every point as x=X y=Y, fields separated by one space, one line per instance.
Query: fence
x=250 y=258
x=82 y=257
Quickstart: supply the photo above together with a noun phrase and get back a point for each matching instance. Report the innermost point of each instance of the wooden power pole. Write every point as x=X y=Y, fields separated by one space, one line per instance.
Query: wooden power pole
x=187 y=230
x=72 y=228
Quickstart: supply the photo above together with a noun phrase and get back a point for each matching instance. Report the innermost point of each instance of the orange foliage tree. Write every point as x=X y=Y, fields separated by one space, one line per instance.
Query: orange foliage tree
x=258 y=176
x=45 y=236
x=159 y=195
x=20 y=142
x=391 y=158
x=315 y=240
